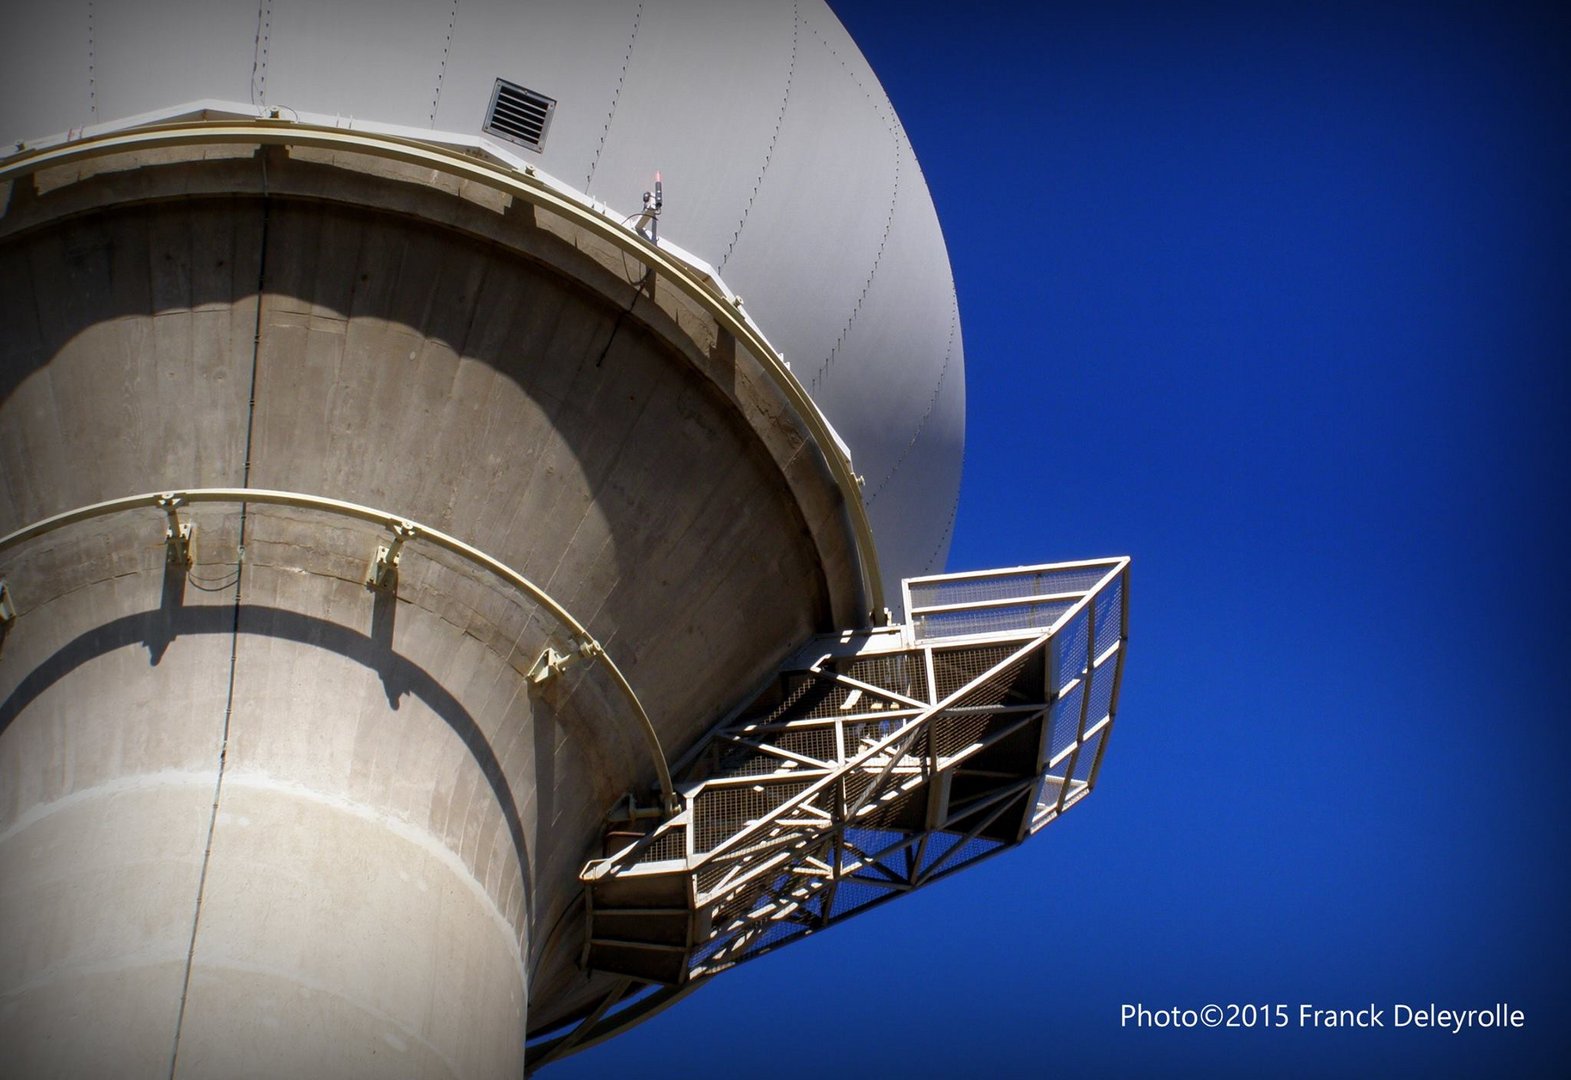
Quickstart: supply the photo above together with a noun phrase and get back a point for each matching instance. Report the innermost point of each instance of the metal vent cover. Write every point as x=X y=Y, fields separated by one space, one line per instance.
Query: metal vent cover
x=519 y=114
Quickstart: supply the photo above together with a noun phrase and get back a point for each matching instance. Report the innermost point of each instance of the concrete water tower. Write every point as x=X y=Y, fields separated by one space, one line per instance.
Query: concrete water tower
x=433 y=437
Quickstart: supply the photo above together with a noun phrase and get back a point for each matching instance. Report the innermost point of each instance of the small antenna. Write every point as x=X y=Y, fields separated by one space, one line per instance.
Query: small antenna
x=649 y=220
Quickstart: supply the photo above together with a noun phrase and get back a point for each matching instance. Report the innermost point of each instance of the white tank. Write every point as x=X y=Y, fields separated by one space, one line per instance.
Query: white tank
x=784 y=166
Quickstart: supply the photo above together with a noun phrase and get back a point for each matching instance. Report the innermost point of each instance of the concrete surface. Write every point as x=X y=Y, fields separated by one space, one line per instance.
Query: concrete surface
x=256 y=819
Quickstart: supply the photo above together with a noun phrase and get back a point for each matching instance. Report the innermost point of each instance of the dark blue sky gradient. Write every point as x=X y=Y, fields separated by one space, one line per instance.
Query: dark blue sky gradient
x=1277 y=301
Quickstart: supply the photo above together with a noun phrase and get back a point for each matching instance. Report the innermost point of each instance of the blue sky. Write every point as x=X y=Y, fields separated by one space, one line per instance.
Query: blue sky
x=1276 y=301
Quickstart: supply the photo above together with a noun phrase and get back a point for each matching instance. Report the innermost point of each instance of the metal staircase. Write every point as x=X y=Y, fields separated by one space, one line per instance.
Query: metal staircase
x=877 y=762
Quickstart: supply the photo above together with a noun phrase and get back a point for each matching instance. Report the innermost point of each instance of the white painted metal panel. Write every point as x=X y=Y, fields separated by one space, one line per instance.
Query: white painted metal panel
x=152 y=55
x=44 y=80
x=370 y=59
x=564 y=49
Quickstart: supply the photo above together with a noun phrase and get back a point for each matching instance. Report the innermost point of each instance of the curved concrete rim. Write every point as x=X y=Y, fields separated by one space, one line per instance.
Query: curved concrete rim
x=535 y=191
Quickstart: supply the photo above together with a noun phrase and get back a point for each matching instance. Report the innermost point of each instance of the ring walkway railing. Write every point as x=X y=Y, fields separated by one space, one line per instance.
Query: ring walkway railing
x=382 y=573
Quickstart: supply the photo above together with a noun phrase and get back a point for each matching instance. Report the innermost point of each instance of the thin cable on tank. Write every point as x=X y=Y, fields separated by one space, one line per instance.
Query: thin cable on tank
x=885 y=113
x=92 y=74
x=932 y=404
x=441 y=71
x=264 y=26
x=616 y=95
x=796 y=22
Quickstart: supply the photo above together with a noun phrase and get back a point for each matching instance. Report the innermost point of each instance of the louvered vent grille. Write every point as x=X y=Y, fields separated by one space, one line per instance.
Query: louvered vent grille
x=519 y=115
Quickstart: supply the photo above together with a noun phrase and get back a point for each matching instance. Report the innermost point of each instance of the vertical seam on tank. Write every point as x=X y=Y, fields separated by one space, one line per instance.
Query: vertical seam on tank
x=616 y=95
x=92 y=73
x=234 y=633
x=822 y=374
x=932 y=404
x=796 y=22
x=885 y=113
x=264 y=27
x=441 y=71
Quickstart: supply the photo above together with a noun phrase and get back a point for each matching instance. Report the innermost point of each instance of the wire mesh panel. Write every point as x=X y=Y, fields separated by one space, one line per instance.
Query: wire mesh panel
x=720 y=814
x=1101 y=694
x=1073 y=647
x=945 y=589
x=671 y=844
x=1027 y=599
x=746 y=760
x=1087 y=756
x=993 y=689
x=968 y=851
x=1109 y=616
x=817 y=743
x=954 y=731
x=1065 y=721
x=938 y=846
x=1047 y=792
x=971 y=622
x=957 y=668
x=903 y=673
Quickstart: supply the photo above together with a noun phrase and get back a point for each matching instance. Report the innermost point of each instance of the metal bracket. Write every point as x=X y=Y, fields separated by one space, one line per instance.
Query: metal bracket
x=382 y=572
x=548 y=663
x=7 y=611
x=179 y=538
x=648 y=224
x=627 y=810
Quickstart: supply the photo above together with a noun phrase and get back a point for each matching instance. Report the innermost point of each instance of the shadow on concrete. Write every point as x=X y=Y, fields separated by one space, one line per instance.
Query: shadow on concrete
x=384 y=613
x=162 y=630
x=617 y=419
x=596 y=417
x=158 y=627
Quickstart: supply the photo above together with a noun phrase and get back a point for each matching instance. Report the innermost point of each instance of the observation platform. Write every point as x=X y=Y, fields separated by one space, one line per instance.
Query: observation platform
x=876 y=762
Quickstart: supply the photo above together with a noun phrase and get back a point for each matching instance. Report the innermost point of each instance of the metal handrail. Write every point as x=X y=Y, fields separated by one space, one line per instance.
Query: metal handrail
x=536 y=191
x=410 y=531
